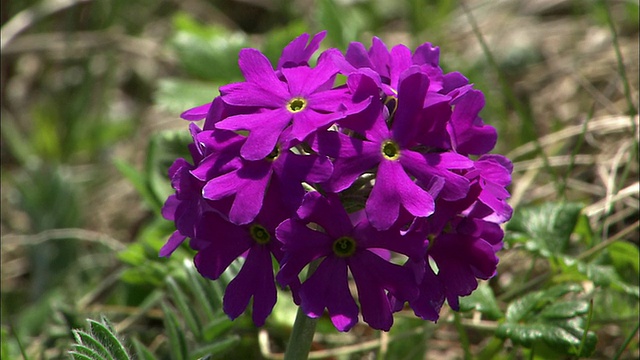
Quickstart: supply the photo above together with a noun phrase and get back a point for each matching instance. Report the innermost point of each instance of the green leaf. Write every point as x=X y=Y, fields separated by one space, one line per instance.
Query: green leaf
x=544 y=229
x=625 y=257
x=563 y=310
x=180 y=299
x=527 y=305
x=545 y=318
x=177 y=340
x=482 y=300
x=142 y=353
x=163 y=149
x=208 y=52
x=216 y=327
x=216 y=348
x=91 y=353
x=139 y=182
x=79 y=356
x=601 y=275
x=563 y=337
x=177 y=95
x=102 y=332
x=88 y=340
x=100 y=342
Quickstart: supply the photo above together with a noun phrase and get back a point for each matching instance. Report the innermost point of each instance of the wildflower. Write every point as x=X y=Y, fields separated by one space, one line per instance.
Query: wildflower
x=342 y=246
x=220 y=242
x=392 y=151
x=303 y=101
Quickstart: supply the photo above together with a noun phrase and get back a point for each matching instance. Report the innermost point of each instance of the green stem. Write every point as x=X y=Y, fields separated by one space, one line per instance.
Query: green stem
x=464 y=339
x=301 y=337
x=303 y=329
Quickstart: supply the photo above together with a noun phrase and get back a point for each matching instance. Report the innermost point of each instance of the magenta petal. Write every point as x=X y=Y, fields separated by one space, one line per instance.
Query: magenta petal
x=400 y=61
x=428 y=304
x=426 y=54
x=411 y=93
x=169 y=208
x=354 y=157
x=303 y=80
x=257 y=68
x=357 y=55
x=221 y=186
x=248 y=201
x=426 y=167
x=251 y=94
x=264 y=127
x=327 y=212
x=196 y=113
x=297 y=52
x=254 y=279
x=308 y=121
x=175 y=240
x=298 y=253
x=328 y=288
x=392 y=188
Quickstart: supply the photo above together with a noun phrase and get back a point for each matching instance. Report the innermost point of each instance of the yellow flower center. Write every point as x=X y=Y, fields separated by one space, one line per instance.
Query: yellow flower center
x=390 y=150
x=296 y=104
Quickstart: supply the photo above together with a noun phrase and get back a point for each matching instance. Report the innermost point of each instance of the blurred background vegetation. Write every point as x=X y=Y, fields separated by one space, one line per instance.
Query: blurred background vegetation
x=91 y=92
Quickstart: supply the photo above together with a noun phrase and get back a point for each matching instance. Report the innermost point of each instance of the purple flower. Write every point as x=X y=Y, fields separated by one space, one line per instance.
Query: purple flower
x=392 y=152
x=461 y=255
x=187 y=206
x=282 y=154
x=344 y=246
x=298 y=52
x=492 y=175
x=220 y=242
x=468 y=132
x=249 y=181
x=391 y=64
x=302 y=101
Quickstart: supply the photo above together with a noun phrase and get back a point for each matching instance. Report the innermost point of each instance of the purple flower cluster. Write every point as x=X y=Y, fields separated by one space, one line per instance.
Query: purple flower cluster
x=371 y=166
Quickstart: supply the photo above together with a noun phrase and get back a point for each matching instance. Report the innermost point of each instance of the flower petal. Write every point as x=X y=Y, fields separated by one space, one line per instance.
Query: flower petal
x=254 y=279
x=174 y=241
x=328 y=287
x=392 y=188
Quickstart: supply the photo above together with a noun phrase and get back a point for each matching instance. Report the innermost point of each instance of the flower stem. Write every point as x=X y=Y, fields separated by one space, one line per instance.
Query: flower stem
x=303 y=329
x=300 y=341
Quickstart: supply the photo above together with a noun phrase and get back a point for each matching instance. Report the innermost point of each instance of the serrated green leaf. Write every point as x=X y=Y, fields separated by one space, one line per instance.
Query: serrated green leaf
x=208 y=52
x=482 y=300
x=526 y=306
x=601 y=275
x=546 y=317
x=545 y=229
x=104 y=334
x=564 y=337
x=177 y=95
x=96 y=344
x=78 y=356
x=91 y=353
x=216 y=348
x=177 y=341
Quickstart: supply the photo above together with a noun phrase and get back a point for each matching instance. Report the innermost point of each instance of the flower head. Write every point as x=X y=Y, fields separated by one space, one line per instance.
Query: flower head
x=383 y=181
